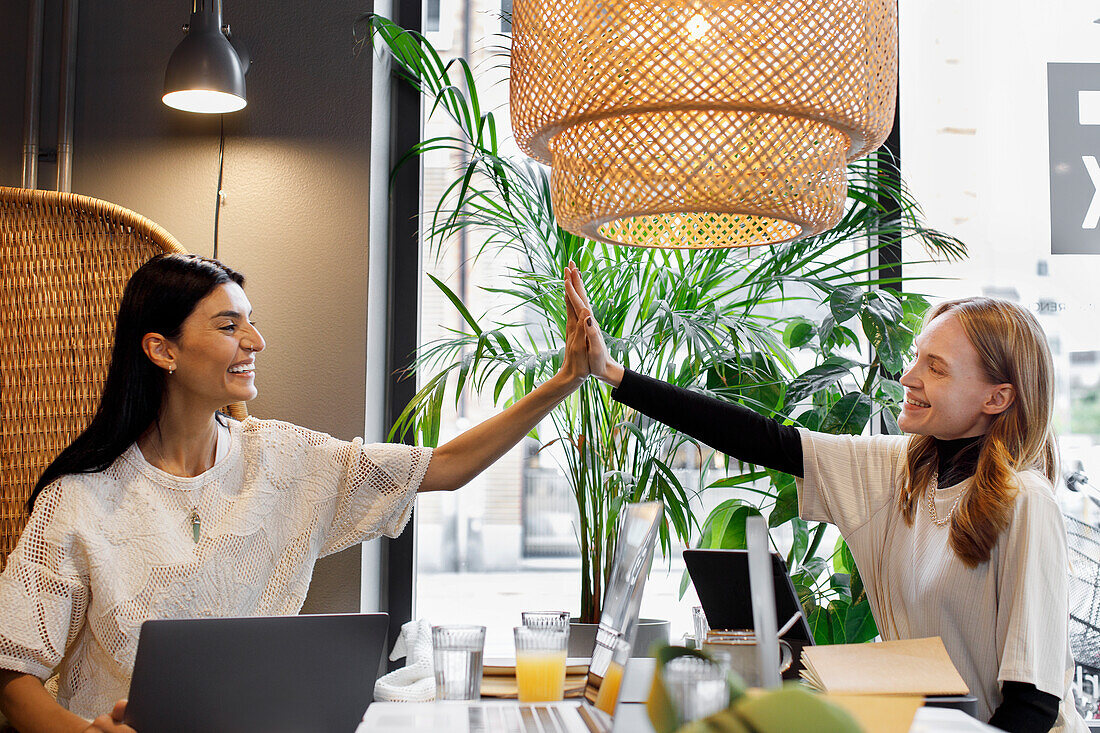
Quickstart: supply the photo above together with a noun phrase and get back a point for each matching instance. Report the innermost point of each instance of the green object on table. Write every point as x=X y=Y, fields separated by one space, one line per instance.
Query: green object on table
x=792 y=708
x=723 y=722
x=786 y=709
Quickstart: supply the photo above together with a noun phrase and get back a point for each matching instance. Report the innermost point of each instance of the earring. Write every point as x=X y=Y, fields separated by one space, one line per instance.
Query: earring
x=171 y=370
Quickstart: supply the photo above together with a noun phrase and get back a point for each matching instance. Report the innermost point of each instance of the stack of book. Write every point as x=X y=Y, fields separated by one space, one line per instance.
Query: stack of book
x=882 y=685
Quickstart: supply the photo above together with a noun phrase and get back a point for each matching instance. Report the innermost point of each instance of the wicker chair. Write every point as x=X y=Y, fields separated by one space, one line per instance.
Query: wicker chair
x=64 y=260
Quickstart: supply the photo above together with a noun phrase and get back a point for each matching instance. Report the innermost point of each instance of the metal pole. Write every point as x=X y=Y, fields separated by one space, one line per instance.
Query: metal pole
x=762 y=592
x=34 y=85
x=65 y=105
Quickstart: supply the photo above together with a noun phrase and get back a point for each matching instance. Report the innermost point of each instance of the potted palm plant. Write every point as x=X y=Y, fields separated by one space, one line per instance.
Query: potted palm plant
x=714 y=320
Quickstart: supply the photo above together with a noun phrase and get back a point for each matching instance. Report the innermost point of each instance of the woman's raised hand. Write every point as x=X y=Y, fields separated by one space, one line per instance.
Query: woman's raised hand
x=469 y=453
x=600 y=363
x=574 y=366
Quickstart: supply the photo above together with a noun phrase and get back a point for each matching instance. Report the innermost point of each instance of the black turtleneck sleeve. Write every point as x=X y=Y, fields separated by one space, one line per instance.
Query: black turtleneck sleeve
x=731 y=428
x=1025 y=709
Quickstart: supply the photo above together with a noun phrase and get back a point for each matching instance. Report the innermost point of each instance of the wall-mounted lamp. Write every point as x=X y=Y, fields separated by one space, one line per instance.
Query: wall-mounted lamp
x=206 y=71
x=206 y=74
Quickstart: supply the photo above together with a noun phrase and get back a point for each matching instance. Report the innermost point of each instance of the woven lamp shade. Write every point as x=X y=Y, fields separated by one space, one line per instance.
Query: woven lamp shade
x=64 y=261
x=701 y=124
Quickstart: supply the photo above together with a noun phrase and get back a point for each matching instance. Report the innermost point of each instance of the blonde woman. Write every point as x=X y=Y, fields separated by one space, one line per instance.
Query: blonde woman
x=955 y=528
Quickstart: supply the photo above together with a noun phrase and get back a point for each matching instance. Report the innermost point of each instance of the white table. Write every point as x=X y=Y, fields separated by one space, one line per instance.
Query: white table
x=434 y=717
x=631 y=716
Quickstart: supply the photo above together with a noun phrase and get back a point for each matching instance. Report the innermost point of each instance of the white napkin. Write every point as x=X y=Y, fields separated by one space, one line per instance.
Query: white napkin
x=415 y=682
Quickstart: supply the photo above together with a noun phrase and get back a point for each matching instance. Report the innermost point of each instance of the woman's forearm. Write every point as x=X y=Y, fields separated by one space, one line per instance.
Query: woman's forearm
x=731 y=428
x=457 y=461
x=28 y=707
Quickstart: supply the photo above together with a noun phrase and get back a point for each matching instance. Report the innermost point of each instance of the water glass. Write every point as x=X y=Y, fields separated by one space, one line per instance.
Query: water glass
x=697 y=687
x=540 y=663
x=546 y=620
x=699 y=620
x=458 y=654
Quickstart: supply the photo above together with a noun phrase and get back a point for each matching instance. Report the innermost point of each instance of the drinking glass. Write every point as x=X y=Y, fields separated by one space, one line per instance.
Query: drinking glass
x=546 y=619
x=697 y=687
x=699 y=621
x=458 y=654
x=608 y=694
x=540 y=663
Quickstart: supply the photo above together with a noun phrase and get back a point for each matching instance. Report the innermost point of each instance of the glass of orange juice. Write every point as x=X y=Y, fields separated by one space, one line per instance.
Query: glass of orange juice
x=608 y=694
x=540 y=663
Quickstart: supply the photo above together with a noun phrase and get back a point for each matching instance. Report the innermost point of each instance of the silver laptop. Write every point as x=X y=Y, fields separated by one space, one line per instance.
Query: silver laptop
x=256 y=675
x=621 y=607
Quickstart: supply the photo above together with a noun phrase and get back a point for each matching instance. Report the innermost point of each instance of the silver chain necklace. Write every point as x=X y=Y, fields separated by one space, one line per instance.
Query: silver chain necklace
x=930 y=502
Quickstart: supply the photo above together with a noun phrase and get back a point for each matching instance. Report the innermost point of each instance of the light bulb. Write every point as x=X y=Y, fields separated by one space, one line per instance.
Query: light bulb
x=204 y=100
x=697 y=27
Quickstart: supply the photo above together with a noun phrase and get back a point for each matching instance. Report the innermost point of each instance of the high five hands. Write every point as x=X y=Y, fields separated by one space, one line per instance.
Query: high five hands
x=600 y=363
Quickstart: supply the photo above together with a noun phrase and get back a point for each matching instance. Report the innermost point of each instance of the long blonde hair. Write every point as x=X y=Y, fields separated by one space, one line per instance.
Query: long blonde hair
x=1012 y=349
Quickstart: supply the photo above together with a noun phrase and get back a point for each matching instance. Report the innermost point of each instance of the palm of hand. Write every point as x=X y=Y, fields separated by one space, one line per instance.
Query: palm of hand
x=599 y=359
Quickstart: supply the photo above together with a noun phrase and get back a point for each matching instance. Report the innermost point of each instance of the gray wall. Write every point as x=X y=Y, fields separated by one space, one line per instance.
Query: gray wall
x=296 y=182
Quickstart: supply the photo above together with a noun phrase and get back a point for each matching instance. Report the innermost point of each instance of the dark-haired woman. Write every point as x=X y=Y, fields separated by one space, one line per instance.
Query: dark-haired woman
x=955 y=529
x=162 y=508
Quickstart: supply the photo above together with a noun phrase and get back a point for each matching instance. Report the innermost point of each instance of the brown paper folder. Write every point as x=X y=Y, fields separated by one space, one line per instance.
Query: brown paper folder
x=880 y=713
x=903 y=667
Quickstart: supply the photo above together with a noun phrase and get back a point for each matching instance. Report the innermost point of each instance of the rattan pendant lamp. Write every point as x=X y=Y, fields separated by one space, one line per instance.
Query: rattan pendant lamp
x=701 y=123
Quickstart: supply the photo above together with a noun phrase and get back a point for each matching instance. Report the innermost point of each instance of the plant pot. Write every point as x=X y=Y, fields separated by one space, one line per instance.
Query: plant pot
x=582 y=637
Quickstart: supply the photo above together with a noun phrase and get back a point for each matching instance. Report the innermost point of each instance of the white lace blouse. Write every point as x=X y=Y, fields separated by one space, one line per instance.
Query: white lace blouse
x=103 y=552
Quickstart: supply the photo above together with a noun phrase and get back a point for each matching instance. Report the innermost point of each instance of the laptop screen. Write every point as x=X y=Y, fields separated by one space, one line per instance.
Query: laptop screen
x=622 y=599
x=296 y=673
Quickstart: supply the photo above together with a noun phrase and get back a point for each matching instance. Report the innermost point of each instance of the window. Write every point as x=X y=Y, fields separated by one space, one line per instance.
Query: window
x=439 y=22
x=431 y=16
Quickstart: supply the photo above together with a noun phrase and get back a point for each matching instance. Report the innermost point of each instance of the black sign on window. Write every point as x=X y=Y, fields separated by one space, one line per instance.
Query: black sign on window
x=1073 y=100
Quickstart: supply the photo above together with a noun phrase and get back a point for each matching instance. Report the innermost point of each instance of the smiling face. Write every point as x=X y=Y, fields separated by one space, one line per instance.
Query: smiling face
x=215 y=354
x=947 y=392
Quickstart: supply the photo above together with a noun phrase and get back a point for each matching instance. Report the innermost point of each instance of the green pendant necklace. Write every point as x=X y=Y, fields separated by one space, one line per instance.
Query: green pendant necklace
x=196 y=525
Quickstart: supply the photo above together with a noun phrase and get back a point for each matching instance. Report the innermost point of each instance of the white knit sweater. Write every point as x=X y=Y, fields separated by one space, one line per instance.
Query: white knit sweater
x=104 y=552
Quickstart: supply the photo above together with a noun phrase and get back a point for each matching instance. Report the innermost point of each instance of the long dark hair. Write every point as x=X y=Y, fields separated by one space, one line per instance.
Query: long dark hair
x=158 y=298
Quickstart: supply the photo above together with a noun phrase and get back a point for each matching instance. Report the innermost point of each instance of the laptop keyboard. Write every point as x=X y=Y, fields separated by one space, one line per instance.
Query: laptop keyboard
x=519 y=719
